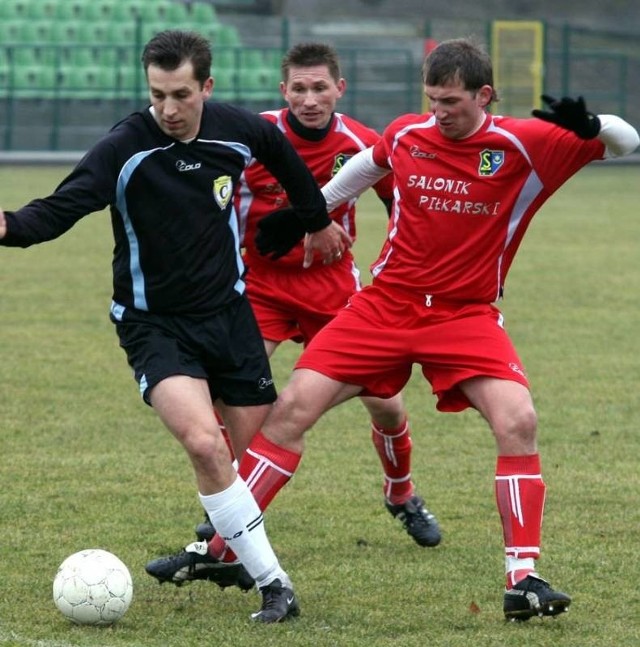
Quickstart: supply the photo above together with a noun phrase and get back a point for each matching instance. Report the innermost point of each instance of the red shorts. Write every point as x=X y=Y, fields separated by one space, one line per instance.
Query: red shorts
x=376 y=340
x=296 y=304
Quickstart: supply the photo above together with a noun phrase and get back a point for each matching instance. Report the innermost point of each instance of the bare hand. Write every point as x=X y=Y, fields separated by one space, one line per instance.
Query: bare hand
x=3 y=224
x=329 y=242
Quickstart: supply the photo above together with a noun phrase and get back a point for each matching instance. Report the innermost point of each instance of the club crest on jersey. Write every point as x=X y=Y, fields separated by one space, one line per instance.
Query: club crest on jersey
x=339 y=161
x=490 y=162
x=222 y=190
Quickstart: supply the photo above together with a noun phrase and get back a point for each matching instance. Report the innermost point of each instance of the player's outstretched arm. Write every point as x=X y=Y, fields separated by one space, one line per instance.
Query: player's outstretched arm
x=571 y=114
x=620 y=137
x=3 y=224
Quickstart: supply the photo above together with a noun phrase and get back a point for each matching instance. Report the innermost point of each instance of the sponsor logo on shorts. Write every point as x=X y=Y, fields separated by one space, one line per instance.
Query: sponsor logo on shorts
x=264 y=383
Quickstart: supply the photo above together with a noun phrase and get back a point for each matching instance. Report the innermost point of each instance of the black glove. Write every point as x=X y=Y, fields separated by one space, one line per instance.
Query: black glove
x=279 y=232
x=571 y=114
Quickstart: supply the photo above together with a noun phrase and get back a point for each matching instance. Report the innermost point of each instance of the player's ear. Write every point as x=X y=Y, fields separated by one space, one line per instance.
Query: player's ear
x=484 y=96
x=207 y=87
x=342 y=86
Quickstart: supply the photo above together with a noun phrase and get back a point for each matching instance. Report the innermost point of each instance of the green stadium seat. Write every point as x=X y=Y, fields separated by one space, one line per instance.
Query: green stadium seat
x=71 y=40
x=130 y=79
x=81 y=82
x=174 y=13
x=79 y=55
x=64 y=32
x=227 y=36
x=43 y=9
x=150 y=29
x=100 y=10
x=92 y=32
x=71 y=10
x=34 y=81
x=202 y=13
x=108 y=82
x=209 y=30
x=22 y=55
x=225 y=58
x=4 y=69
x=11 y=31
x=110 y=55
x=126 y=10
x=121 y=33
x=36 y=32
x=98 y=82
x=14 y=9
x=5 y=80
x=251 y=58
x=255 y=83
x=224 y=88
x=92 y=79
x=273 y=57
x=68 y=80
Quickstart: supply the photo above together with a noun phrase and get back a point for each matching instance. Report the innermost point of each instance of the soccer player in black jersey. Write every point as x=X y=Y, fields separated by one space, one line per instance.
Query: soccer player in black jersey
x=168 y=174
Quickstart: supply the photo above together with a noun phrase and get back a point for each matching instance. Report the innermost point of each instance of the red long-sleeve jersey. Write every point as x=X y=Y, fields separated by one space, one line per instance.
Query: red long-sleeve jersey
x=461 y=207
x=259 y=193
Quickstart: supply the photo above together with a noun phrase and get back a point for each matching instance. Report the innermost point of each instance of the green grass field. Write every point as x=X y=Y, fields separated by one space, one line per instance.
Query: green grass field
x=85 y=464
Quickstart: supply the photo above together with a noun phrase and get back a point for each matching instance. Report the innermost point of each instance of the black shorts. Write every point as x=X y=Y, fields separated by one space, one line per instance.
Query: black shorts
x=224 y=348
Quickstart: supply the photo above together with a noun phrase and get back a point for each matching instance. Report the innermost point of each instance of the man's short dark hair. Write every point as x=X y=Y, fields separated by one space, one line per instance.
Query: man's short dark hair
x=170 y=49
x=458 y=60
x=311 y=54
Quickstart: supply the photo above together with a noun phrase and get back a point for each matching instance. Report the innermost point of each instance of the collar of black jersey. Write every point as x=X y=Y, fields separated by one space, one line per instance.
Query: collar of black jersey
x=310 y=134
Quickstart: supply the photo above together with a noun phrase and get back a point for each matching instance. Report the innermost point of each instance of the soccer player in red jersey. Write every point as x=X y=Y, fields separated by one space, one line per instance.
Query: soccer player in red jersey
x=294 y=304
x=467 y=184
x=280 y=293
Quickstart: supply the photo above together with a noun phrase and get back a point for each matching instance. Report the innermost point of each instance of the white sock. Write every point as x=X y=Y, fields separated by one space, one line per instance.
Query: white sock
x=237 y=517
x=515 y=567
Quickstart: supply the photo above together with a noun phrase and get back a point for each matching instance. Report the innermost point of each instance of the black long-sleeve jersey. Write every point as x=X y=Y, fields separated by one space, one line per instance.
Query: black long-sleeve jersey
x=175 y=230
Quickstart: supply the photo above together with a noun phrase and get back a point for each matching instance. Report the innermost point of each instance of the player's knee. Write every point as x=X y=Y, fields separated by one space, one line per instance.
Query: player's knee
x=290 y=418
x=295 y=406
x=204 y=446
x=387 y=413
x=388 y=418
x=519 y=425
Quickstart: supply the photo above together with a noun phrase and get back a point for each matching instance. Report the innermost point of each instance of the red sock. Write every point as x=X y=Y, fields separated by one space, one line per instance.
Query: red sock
x=394 y=449
x=520 y=493
x=225 y=434
x=266 y=468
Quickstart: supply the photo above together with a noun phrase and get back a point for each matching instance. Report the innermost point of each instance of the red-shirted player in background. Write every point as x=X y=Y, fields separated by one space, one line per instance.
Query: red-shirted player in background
x=466 y=187
x=290 y=304
x=294 y=304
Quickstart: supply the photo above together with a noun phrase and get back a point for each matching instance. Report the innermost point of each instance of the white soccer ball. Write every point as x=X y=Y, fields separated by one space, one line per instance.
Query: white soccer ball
x=93 y=587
